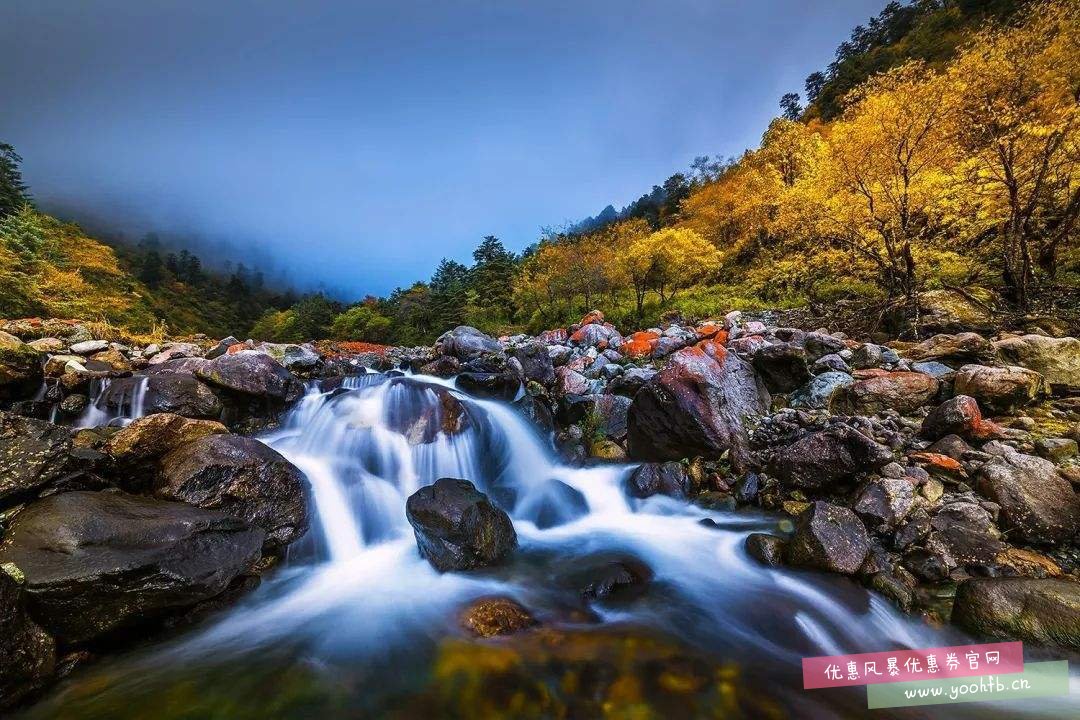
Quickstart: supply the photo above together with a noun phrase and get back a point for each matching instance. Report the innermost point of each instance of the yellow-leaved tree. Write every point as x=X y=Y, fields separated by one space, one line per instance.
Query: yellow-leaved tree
x=1015 y=113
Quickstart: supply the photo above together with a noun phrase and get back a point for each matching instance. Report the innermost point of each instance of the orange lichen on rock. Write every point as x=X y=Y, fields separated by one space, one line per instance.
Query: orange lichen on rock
x=640 y=344
x=940 y=463
x=361 y=347
x=595 y=317
x=714 y=347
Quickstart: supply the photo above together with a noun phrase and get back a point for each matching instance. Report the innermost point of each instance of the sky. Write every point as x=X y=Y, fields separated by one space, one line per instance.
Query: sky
x=356 y=143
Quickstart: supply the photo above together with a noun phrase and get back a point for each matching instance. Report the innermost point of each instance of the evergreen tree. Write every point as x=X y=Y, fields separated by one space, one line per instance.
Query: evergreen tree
x=151 y=270
x=492 y=276
x=12 y=189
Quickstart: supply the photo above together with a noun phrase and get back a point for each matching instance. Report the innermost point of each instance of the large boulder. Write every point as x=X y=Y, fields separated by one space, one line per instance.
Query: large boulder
x=251 y=373
x=696 y=405
x=884 y=502
x=828 y=537
x=164 y=392
x=96 y=562
x=149 y=438
x=824 y=458
x=903 y=392
x=33 y=455
x=782 y=366
x=457 y=527
x=1043 y=611
x=20 y=368
x=421 y=411
x=1037 y=504
x=606 y=413
x=598 y=335
x=503 y=385
x=999 y=389
x=242 y=477
x=28 y=653
x=467 y=343
x=1056 y=359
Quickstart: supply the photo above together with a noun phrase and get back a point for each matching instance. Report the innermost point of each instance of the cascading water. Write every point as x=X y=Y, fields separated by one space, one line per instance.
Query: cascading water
x=108 y=407
x=357 y=604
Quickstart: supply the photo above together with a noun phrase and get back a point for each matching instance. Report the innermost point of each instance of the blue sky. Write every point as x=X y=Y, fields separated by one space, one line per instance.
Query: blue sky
x=356 y=143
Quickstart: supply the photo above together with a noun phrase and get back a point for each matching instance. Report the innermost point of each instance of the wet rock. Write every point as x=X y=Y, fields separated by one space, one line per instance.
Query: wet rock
x=820 y=392
x=904 y=392
x=241 y=477
x=828 y=537
x=96 y=562
x=960 y=416
x=20 y=368
x=695 y=405
x=420 y=411
x=444 y=366
x=1040 y=611
x=535 y=362
x=74 y=404
x=467 y=343
x=1037 y=504
x=570 y=382
x=149 y=438
x=885 y=502
x=28 y=652
x=623 y=578
x=781 y=366
x=491 y=617
x=500 y=385
x=181 y=394
x=824 y=458
x=961 y=348
x=253 y=374
x=766 y=549
x=605 y=414
x=457 y=527
x=999 y=389
x=1056 y=359
x=650 y=479
x=33 y=455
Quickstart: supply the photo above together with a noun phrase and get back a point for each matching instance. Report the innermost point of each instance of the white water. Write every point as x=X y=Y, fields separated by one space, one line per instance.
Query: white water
x=357 y=590
x=105 y=409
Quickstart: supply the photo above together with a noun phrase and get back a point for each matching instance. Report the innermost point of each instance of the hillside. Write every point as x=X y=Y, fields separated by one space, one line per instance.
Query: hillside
x=49 y=268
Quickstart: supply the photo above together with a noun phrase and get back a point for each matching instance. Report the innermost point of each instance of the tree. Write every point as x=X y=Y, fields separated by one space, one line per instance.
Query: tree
x=1016 y=100
x=362 y=322
x=313 y=314
x=12 y=189
x=814 y=82
x=449 y=293
x=791 y=106
x=879 y=191
x=151 y=269
x=492 y=280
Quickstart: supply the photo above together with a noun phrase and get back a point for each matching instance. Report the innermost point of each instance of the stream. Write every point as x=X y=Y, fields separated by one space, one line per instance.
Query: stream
x=356 y=624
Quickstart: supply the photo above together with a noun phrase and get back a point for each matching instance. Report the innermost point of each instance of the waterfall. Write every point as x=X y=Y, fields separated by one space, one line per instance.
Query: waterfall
x=108 y=406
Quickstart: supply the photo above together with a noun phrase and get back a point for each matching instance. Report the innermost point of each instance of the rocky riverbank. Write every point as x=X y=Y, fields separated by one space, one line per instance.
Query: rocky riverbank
x=940 y=473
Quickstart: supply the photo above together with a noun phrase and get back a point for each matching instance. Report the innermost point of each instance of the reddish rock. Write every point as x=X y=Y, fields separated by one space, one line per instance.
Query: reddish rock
x=592 y=318
x=961 y=416
x=640 y=344
x=695 y=406
x=553 y=337
x=867 y=373
x=941 y=464
x=904 y=392
x=714 y=348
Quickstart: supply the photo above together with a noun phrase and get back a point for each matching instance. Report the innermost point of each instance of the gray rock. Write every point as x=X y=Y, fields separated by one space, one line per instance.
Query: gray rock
x=457 y=527
x=828 y=537
x=658 y=479
x=1037 y=504
x=819 y=393
x=824 y=458
x=95 y=562
x=766 y=549
x=89 y=347
x=1042 y=611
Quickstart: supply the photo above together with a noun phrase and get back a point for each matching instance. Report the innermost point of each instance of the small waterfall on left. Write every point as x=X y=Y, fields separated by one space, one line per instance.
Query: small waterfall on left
x=109 y=406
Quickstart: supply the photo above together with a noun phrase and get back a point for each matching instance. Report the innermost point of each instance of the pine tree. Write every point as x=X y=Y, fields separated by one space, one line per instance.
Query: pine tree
x=12 y=189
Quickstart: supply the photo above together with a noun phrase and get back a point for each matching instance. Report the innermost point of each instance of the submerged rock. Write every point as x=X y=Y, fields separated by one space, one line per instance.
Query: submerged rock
x=96 y=562
x=457 y=527
x=1044 y=611
x=658 y=479
x=765 y=548
x=491 y=617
